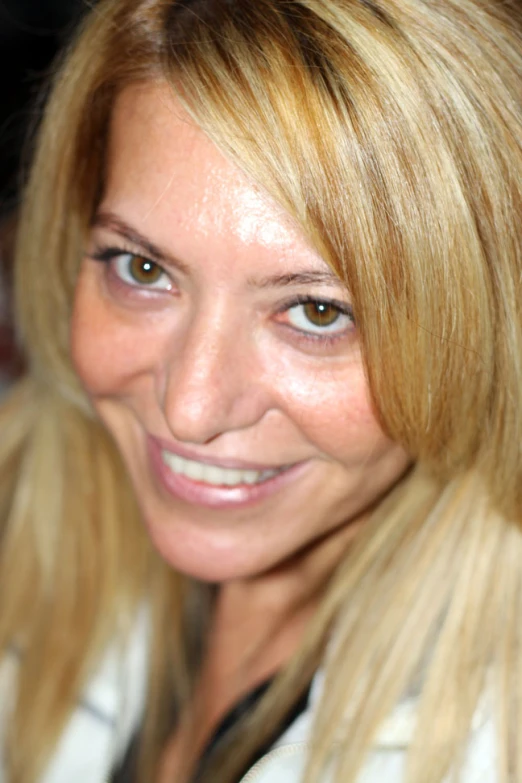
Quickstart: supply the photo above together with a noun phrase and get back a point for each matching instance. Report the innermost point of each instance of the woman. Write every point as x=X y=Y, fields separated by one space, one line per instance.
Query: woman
x=269 y=269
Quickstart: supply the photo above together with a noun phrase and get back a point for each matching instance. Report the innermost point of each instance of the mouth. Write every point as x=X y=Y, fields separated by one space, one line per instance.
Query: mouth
x=237 y=484
x=215 y=475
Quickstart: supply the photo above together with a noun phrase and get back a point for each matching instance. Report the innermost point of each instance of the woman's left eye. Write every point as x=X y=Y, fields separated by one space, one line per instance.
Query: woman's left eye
x=319 y=317
x=137 y=270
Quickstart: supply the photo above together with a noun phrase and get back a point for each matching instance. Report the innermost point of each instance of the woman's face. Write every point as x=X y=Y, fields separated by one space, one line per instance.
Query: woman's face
x=219 y=350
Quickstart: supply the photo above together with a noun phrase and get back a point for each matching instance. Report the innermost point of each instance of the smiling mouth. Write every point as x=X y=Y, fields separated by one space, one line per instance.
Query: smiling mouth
x=214 y=475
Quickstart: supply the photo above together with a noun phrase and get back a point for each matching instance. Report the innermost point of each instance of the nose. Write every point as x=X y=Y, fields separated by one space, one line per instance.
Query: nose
x=212 y=383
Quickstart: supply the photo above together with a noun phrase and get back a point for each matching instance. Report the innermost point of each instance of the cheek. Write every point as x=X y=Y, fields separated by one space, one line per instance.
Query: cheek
x=106 y=350
x=333 y=409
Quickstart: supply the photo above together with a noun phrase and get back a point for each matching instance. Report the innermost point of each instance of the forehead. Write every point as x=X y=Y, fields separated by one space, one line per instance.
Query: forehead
x=162 y=165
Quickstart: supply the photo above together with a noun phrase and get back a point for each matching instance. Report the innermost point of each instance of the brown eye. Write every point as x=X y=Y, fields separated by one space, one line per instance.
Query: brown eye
x=141 y=272
x=321 y=313
x=320 y=318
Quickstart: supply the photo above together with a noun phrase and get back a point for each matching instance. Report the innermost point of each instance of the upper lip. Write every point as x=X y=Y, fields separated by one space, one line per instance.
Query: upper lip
x=220 y=462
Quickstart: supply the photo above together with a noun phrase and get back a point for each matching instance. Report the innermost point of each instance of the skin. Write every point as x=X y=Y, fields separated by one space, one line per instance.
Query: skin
x=212 y=364
x=218 y=363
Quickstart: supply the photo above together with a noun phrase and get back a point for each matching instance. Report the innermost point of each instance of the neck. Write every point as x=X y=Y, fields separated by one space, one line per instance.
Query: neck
x=259 y=622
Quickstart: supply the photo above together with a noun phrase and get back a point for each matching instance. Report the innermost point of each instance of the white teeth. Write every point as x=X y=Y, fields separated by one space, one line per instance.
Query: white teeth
x=234 y=477
x=177 y=463
x=211 y=474
x=193 y=470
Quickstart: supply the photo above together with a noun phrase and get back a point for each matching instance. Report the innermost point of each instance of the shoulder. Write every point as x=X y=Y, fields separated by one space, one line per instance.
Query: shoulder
x=286 y=760
x=105 y=717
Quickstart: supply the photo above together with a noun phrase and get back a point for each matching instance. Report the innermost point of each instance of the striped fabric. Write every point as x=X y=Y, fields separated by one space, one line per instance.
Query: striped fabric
x=105 y=719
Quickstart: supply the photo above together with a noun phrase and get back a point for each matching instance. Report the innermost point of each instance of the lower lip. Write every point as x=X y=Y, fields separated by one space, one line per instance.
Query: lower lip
x=201 y=494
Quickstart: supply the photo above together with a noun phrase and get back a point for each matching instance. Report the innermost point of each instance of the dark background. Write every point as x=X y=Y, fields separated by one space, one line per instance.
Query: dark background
x=31 y=33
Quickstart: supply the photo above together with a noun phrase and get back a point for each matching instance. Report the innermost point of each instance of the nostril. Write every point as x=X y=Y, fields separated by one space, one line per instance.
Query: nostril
x=195 y=405
x=211 y=396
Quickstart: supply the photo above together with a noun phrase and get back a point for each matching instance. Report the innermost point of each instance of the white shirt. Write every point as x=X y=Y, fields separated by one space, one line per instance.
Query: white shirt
x=105 y=719
x=286 y=761
x=110 y=711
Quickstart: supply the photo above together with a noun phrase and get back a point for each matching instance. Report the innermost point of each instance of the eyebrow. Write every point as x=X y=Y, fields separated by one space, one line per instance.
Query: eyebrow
x=112 y=222
x=304 y=277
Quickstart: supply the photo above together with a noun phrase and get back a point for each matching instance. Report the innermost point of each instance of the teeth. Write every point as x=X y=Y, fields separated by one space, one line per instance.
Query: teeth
x=211 y=474
x=193 y=470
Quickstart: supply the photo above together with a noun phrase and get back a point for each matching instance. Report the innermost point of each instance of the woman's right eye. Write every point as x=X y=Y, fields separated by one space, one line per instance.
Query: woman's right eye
x=135 y=270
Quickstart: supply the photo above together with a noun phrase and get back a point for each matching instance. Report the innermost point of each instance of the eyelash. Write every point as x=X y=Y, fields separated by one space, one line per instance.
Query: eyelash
x=108 y=254
x=325 y=338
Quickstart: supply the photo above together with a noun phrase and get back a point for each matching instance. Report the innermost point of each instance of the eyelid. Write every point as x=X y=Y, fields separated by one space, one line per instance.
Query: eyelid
x=107 y=253
x=320 y=337
x=112 y=253
x=302 y=299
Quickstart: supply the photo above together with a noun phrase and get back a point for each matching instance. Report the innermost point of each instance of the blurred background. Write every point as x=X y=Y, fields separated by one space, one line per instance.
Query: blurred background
x=31 y=33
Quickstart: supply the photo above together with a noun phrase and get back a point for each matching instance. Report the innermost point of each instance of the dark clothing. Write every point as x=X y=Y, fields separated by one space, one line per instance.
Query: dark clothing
x=127 y=771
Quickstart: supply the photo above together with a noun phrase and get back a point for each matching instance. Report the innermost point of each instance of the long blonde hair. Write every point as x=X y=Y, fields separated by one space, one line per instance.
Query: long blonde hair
x=392 y=131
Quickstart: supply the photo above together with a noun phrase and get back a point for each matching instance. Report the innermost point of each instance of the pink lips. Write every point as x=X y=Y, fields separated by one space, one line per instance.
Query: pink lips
x=221 y=462
x=218 y=497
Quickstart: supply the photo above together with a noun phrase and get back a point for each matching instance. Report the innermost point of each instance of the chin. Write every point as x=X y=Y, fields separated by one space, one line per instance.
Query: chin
x=212 y=558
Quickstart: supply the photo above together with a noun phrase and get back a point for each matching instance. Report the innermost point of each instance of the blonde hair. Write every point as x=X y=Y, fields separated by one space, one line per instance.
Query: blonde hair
x=392 y=131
